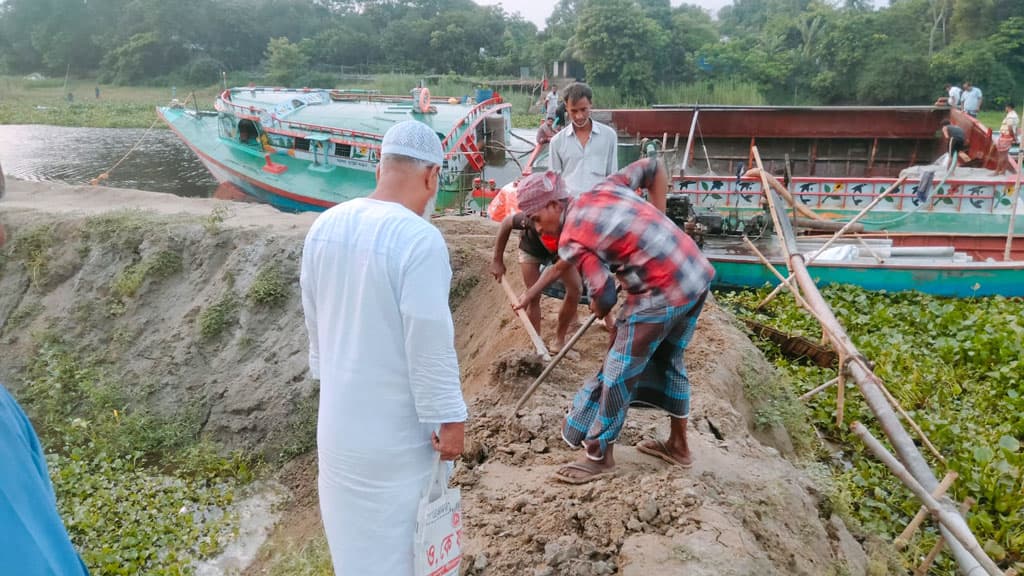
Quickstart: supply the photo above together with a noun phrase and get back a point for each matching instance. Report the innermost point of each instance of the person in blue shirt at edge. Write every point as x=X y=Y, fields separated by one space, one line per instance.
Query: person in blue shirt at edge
x=33 y=540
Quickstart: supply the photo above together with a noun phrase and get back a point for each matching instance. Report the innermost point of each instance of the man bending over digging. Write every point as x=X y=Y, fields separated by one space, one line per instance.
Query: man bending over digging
x=666 y=278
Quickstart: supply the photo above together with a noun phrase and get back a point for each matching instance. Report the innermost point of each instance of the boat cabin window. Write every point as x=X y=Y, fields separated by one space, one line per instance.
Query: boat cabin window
x=296 y=103
x=302 y=144
x=342 y=150
x=248 y=133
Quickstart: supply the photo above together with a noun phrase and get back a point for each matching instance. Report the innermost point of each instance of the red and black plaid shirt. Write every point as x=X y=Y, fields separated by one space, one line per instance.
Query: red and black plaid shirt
x=611 y=227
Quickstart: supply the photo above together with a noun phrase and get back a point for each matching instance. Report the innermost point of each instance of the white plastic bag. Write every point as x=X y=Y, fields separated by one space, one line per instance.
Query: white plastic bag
x=438 y=544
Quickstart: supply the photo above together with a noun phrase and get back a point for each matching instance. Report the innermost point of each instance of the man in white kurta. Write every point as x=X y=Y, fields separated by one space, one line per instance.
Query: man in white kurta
x=375 y=279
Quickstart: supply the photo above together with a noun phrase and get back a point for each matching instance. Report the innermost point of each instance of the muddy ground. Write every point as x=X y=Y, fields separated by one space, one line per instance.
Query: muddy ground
x=744 y=507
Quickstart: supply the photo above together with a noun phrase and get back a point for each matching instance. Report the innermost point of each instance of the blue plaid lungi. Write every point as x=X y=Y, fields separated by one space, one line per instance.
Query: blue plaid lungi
x=644 y=366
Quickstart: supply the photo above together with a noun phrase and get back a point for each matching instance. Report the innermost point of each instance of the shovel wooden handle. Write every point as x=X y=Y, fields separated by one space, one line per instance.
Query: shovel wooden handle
x=551 y=366
x=538 y=343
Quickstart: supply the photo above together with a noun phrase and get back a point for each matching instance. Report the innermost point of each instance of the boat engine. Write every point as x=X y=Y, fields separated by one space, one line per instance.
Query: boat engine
x=702 y=222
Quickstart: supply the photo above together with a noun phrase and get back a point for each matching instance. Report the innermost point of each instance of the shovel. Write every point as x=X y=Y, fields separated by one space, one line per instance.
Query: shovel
x=538 y=343
x=554 y=362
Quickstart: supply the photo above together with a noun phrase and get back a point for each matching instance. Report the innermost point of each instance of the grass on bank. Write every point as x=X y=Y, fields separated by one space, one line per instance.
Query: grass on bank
x=139 y=494
x=956 y=367
x=24 y=101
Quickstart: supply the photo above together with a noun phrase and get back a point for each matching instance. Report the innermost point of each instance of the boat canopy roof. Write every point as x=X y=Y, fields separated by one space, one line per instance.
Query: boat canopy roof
x=367 y=113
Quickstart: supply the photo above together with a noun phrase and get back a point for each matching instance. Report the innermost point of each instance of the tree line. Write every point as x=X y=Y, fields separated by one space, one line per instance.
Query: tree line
x=794 y=51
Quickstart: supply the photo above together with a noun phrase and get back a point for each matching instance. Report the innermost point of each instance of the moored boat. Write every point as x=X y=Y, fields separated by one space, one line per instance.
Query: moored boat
x=304 y=149
x=835 y=160
x=952 y=265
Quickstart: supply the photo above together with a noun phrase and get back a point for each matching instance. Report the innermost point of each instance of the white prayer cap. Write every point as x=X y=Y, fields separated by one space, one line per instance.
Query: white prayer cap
x=413 y=139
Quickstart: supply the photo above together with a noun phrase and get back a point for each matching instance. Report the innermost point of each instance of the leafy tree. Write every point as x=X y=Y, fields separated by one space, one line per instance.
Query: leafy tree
x=285 y=61
x=143 y=56
x=619 y=46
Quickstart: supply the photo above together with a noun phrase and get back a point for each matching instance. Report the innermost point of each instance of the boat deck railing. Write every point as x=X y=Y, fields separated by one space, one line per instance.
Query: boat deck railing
x=467 y=125
x=975 y=196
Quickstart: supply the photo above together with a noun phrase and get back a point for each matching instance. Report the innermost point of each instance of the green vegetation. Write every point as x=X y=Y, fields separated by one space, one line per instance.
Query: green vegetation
x=301 y=437
x=461 y=289
x=311 y=559
x=269 y=288
x=24 y=101
x=775 y=404
x=802 y=52
x=125 y=228
x=162 y=265
x=219 y=316
x=139 y=494
x=33 y=249
x=956 y=367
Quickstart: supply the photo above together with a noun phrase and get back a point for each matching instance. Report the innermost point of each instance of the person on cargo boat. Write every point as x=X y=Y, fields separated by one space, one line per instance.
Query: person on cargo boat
x=953 y=95
x=957 y=141
x=667 y=281
x=971 y=99
x=1003 y=145
x=1011 y=121
x=546 y=131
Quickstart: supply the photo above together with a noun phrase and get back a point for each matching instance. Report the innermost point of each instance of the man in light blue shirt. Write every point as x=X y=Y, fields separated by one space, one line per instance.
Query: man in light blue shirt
x=585 y=152
x=971 y=99
x=33 y=541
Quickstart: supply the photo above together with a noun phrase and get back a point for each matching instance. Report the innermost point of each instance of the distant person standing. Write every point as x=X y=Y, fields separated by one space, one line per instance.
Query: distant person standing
x=551 y=103
x=972 y=99
x=97 y=92
x=585 y=152
x=1012 y=122
x=1003 y=145
x=953 y=93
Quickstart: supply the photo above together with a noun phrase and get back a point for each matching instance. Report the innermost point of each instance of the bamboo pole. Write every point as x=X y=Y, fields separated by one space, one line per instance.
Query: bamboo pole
x=841 y=395
x=1013 y=210
x=922 y=570
x=538 y=343
x=771 y=267
x=896 y=185
x=917 y=429
x=551 y=365
x=824 y=386
x=689 y=141
x=955 y=530
x=778 y=187
x=904 y=538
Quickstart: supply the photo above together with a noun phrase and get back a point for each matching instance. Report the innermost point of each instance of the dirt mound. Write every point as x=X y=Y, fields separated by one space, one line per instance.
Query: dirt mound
x=195 y=304
x=741 y=509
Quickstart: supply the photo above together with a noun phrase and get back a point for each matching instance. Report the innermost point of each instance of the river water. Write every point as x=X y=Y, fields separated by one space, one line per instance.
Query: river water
x=160 y=163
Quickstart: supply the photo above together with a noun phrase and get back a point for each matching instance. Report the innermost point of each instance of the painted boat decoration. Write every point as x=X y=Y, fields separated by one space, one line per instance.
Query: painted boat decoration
x=304 y=149
x=835 y=160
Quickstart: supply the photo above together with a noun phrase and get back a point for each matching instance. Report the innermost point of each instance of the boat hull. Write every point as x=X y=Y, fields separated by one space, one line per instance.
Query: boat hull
x=986 y=275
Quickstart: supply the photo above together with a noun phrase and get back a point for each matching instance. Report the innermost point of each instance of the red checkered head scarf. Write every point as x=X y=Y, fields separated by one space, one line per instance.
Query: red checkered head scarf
x=538 y=189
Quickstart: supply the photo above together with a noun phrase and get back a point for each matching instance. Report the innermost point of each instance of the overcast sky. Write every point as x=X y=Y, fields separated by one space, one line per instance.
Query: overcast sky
x=537 y=11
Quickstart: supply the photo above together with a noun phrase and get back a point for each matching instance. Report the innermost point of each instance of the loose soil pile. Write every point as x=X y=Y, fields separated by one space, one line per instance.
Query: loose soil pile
x=200 y=338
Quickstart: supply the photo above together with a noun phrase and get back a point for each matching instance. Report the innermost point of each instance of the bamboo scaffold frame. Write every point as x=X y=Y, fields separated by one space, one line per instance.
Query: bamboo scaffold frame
x=920 y=478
